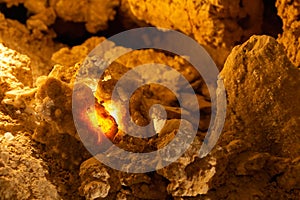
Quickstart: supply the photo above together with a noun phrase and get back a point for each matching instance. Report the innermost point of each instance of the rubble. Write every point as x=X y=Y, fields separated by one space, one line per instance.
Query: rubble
x=54 y=92
x=42 y=155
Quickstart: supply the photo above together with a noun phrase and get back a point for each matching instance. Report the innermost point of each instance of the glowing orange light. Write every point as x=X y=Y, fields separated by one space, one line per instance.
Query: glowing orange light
x=101 y=122
x=93 y=119
x=105 y=121
x=113 y=111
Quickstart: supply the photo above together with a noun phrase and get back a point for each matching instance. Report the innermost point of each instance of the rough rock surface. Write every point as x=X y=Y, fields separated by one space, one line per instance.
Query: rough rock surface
x=38 y=46
x=260 y=67
x=95 y=14
x=250 y=161
x=289 y=11
x=259 y=147
x=15 y=71
x=217 y=25
x=15 y=91
x=129 y=20
x=22 y=175
x=257 y=156
x=54 y=108
x=54 y=92
x=100 y=181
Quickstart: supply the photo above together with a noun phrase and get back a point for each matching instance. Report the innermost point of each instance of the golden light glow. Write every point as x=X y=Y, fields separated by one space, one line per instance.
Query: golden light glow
x=102 y=119
x=114 y=111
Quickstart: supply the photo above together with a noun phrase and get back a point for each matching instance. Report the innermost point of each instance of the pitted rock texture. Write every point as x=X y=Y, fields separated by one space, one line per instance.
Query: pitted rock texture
x=289 y=11
x=257 y=156
x=15 y=70
x=23 y=176
x=260 y=68
x=15 y=81
x=37 y=45
x=95 y=14
x=217 y=25
x=259 y=146
x=100 y=181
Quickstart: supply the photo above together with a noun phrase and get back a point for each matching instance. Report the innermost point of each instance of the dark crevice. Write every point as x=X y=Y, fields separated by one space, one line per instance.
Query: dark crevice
x=241 y=4
x=72 y=34
x=19 y=13
x=275 y=177
x=244 y=22
x=272 y=23
x=114 y=27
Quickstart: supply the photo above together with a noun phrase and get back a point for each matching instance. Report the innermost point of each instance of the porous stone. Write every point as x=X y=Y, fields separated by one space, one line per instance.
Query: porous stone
x=217 y=25
x=257 y=155
x=37 y=45
x=15 y=69
x=95 y=14
x=100 y=181
x=22 y=176
x=262 y=87
x=261 y=134
x=289 y=11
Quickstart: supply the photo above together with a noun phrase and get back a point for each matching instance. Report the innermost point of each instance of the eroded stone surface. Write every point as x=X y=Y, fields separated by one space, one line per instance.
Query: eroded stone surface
x=95 y=14
x=217 y=25
x=22 y=176
x=261 y=132
x=289 y=11
x=100 y=181
x=34 y=43
x=257 y=155
x=260 y=68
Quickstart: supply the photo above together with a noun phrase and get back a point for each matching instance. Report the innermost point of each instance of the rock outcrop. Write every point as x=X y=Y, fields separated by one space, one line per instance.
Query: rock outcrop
x=217 y=25
x=289 y=11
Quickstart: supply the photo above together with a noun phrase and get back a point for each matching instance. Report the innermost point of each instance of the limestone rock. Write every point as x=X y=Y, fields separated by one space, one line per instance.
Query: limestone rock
x=15 y=79
x=289 y=11
x=253 y=76
x=95 y=14
x=22 y=176
x=54 y=94
x=190 y=176
x=261 y=134
x=34 y=6
x=100 y=181
x=38 y=46
x=41 y=21
x=129 y=20
x=68 y=57
x=257 y=155
x=217 y=25
x=15 y=71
